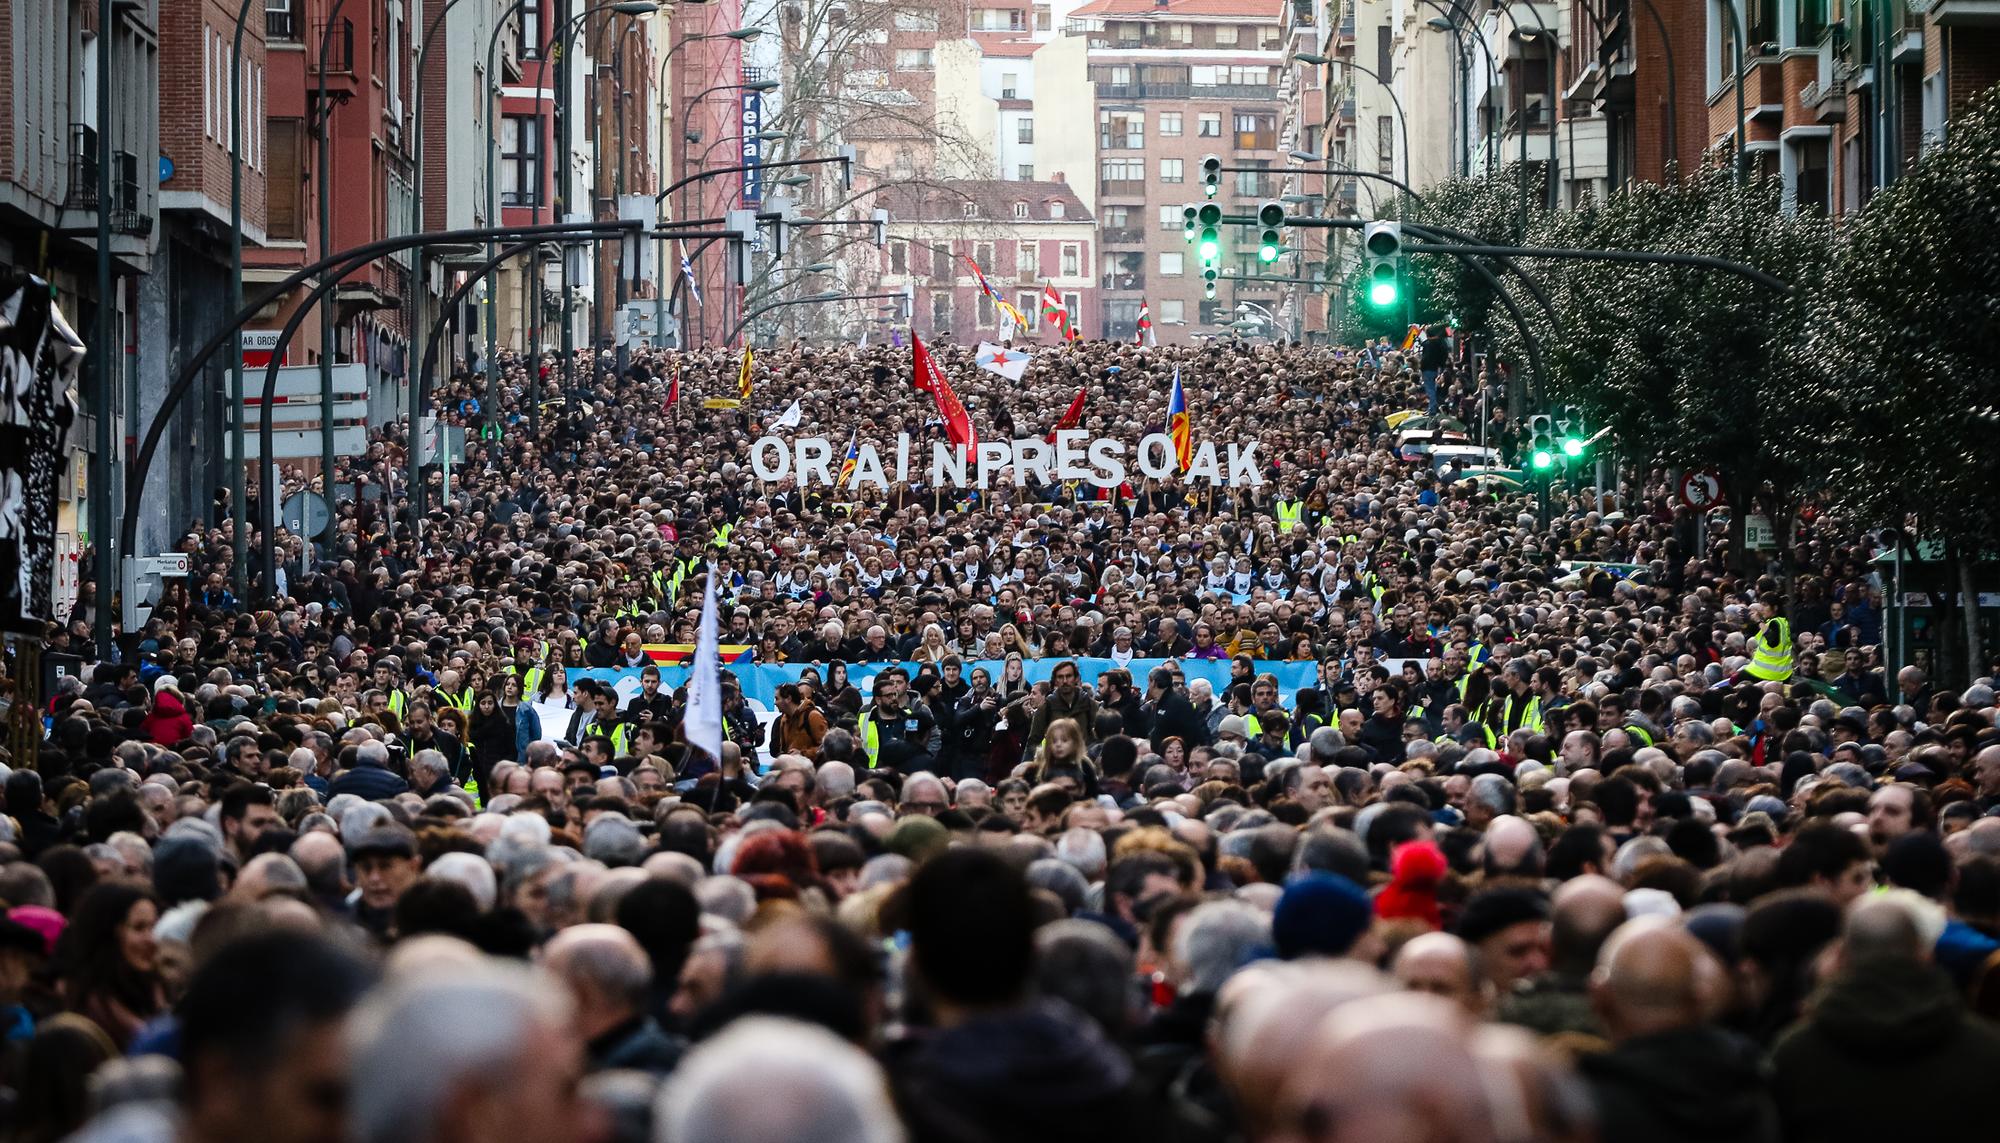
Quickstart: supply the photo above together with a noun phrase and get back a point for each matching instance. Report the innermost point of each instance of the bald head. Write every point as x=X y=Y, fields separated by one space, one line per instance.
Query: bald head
x=1442 y=965
x=1266 y=1015
x=1587 y=910
x=1512 y=847
x=1388 y=1067
x=1649 y=979
x=1880 y=929
x=607 y=972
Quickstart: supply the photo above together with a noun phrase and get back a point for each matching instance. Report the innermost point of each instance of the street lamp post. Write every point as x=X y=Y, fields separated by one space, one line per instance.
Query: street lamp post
x=761 y=85
x=744 y=35
x=1443 y=23
x=239 y=513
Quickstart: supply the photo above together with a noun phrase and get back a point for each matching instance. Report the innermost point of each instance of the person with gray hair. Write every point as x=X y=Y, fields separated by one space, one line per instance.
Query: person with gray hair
x=1083 y=849
x=1215 y=940
x=468 y=1053
x=1491 y=796
x=1062 y=879
x=615 y=841
x=610 y=978
x=472 y=871
x=1086 y=965
x=765 y=1079
x=1325 y=745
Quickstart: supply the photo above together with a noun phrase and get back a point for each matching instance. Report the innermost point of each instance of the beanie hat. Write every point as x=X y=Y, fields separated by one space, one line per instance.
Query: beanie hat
x=1232 y=724
x=1414 y=873
x=1320 y=914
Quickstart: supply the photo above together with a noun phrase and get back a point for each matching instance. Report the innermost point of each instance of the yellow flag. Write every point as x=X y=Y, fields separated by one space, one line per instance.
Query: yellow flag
x=743 y=376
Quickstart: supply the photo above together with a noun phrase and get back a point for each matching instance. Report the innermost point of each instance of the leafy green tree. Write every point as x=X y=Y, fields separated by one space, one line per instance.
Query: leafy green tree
x=1907 y=333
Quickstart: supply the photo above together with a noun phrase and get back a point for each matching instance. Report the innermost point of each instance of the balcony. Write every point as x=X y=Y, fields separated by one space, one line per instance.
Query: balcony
x=1825 y=101
x=1125 y=280
x=1122 y=188
x=1122 y=236
x=333 y=54
x=281 y=21
x=1256 y=140
x=1251 y=91
x=1116 y=142
x=1959 y=13
x=82 y=167
x=1143 y=90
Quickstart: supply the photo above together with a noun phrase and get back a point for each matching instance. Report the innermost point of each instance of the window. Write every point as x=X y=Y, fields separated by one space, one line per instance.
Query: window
x=1056 y=208
x=1116 y=217
x=1180 y=34
x=1220 y=76
x=1256 y=131
x=982 y=253
x=208 y=92
x=1027 y=261
x=1254 y=184
x=969 y=209
x=1171 y=263
x=1020 y=210
x=1073 y=304
x=284 y=210
x=899 y=257
x=1025 y=172
x=1029 y=305
x=1170 y=124
x=1072 y=259
x=1024 y=129
x=1122 y=170
x=999 y=20
x=1173 y=170
x=1121 y=130
x=1225 y=35
x=529 y=34
x=1010 y=86
x=1385 y=40
x=1385 y=144
x=941 y=312
x=913 y=59
x=1721 y=33
x=280 y=20
x=1215 y=313
x=1043 y=21
x=916 y=22
x=1173 y=309
x=520 y=160
x=943 y=267
x=1208 y=124
x=984 y=306
x=1170 y=218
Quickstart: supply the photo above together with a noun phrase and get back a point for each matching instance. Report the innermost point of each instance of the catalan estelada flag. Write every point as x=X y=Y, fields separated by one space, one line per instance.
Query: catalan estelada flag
x=1178 y=426
x=847 y=462
x=743 y=376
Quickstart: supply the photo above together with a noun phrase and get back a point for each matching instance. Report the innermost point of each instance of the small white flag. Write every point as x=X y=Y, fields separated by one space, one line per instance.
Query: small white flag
x=790 y=419
x=863 y=342
x=703 y=724
x=1006 y=327
x=1003 y=360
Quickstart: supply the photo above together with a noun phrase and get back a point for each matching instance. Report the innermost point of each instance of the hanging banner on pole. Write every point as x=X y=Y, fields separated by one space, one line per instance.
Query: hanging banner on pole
x=753 y=148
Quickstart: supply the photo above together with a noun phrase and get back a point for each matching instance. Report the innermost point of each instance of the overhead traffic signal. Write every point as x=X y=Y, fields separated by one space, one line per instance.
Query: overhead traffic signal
x=1271 y=242
x=1570 y=433
x=1211 y=174
x=1208 y=248
x=1188 y=214
x=1541 y=444
x=1382 y=263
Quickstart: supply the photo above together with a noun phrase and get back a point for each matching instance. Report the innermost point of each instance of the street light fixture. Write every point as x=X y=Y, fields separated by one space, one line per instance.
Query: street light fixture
x=1439 y=23
x=1307 y=157
x=795 y=180
x=1313 y=58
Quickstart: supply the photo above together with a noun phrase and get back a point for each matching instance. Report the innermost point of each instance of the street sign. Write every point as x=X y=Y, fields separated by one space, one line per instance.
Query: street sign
x=301 y=382
x=176 y=564
x=304 y=514
x=1701 y=488
x=298 y=444
x=427 y=442
x=143 y=582
x=1758 y=535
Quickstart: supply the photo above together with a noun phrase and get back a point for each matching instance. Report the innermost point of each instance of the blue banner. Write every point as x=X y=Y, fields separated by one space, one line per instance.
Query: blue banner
x=760 y=682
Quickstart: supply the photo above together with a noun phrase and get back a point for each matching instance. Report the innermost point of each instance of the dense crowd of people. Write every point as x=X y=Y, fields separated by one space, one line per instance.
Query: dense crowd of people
x=1599 y=830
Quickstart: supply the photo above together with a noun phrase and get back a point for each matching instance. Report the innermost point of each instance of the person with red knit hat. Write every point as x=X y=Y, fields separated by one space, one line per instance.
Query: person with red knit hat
x=1414 y=873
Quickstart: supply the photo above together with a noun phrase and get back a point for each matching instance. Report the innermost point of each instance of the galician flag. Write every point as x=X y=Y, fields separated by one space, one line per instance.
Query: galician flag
x=1003 y=360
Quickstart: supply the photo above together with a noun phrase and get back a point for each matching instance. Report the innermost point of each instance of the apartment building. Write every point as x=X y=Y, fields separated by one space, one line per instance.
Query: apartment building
x=1175 y=80
x=1023 y=234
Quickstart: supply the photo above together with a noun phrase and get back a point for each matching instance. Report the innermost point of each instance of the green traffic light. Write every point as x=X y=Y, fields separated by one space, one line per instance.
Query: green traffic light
x=1211 y=245
x=1542 y=460
x=1572 y=447
x=1382 y=293
x=1268 y=252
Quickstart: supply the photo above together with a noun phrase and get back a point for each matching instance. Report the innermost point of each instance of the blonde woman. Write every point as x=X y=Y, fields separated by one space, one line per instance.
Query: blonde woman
x=1063 y=758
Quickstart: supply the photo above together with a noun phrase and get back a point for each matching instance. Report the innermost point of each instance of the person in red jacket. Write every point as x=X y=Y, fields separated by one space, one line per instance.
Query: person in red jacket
x=168 y=722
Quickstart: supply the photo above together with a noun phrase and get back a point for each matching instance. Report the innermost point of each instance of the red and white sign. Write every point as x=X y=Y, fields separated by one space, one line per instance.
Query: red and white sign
x=257 y=347
x=1701 y=488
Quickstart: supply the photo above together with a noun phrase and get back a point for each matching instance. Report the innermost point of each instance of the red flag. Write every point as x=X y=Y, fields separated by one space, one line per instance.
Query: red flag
x=930 y=379
x=1071 y=418
x=674 y=387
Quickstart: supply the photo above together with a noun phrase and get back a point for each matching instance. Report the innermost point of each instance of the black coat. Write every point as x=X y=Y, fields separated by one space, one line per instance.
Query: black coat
x=1175 y=717
x=1700 y=1084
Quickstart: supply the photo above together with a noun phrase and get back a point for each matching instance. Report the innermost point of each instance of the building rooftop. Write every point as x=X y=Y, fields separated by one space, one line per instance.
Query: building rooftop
x=1173 y=9
x=991 y=200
